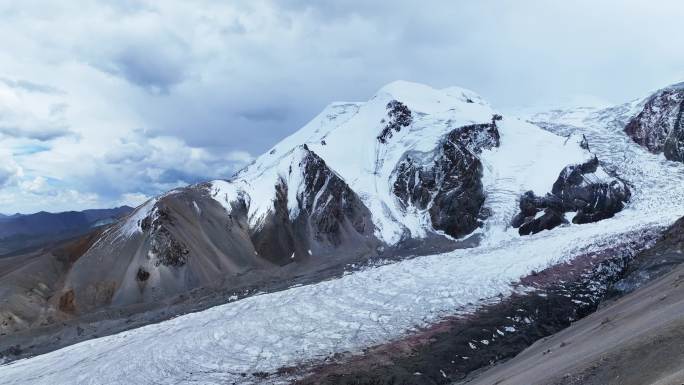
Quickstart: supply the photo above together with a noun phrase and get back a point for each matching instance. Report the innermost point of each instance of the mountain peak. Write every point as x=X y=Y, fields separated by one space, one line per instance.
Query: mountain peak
x=426 y=99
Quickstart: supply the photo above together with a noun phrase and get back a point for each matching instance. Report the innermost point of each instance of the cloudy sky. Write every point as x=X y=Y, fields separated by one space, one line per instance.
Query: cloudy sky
x=105 y=103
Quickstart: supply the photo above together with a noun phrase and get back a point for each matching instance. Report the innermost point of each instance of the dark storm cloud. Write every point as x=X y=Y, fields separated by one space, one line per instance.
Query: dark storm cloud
x=265 y=114
x=156 y=70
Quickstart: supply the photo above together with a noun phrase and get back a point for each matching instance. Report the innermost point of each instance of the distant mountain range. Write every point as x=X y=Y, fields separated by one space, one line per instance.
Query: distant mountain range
x=23 y=231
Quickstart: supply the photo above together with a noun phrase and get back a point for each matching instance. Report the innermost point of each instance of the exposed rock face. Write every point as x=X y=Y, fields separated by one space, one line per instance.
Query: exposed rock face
x=450 y=187
x=276 y=239
x=582 y=188
x=547 y=220
x=592 y=195
x=659 y=126
x=168 y=251
x=164 y=247
x=328 y=215
x=398 y=116
x=674 y=145
x=142 y=275
x=329 y=202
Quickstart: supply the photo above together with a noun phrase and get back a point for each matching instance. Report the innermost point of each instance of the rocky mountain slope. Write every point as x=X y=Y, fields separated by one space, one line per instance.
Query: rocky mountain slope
x=412 y=166
x=659 y=125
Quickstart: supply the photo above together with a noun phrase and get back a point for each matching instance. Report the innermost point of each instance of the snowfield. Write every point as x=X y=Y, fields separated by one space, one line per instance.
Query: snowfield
x=303 y=325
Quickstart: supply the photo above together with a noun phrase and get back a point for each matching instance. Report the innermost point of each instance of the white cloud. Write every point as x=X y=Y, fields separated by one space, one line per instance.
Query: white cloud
x=27 y=114
x=10 y=171
x=36 y=185
x=133 y=199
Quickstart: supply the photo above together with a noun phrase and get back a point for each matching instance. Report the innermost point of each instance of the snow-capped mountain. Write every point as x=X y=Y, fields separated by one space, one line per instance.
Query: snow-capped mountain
x=363 y=143
x=411 y=165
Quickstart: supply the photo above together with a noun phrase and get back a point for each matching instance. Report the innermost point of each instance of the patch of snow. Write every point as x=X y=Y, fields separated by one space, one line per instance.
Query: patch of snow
x=224 y=193
x=131 y=224
x=569 y=215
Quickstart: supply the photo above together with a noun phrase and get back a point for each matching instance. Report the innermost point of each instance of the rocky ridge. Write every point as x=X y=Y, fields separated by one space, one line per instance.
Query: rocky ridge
x=659 y=126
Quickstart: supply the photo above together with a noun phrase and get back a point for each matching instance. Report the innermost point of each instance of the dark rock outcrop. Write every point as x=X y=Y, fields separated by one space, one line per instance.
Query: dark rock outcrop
x=659 y=126
x=276 y=239
x=674 y=144
x=329 y=215
x=329 y=202
x=548 y=219
x=398 y=116
x=582 y=188
x=165 y=248
x=142 y=275
x=450 y=186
